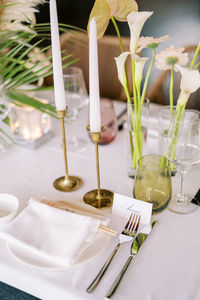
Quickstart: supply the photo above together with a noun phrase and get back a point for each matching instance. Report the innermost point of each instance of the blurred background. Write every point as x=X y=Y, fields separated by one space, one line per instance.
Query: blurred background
x=178 y=18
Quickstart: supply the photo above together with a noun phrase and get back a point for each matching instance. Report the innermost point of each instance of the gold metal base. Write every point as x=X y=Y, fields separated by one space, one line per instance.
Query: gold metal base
x=105 y=200
x=70 y=185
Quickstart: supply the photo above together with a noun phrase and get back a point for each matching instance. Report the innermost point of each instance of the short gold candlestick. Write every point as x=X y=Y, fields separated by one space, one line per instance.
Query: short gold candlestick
x=66 y=183
x=98 y=198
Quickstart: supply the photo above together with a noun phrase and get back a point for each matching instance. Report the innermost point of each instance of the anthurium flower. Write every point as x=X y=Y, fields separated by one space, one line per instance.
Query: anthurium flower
x=120 y=62
x=103 y=10
x=171 y=56
x=150 y=42
x=139 y=66
x=136 y=21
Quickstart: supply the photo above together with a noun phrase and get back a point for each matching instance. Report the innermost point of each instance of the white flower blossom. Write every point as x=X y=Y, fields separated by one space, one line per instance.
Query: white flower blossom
x=120 y=62
x=190 y=79
x=149 y=41
x=136 y=21
x=190 y=82
x=171 y=56
x=139 y=66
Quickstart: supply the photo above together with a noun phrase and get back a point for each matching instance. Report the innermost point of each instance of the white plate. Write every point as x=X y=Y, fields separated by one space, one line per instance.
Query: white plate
x=27 y=257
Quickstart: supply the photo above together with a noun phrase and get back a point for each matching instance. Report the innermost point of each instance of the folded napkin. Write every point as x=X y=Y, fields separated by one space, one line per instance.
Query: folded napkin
x=53 y=234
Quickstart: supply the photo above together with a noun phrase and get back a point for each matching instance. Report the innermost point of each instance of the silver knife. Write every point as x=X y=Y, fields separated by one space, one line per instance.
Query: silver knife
x=137 y=243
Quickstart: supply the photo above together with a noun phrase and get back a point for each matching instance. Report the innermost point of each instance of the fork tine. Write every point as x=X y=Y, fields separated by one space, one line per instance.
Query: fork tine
x=136 y=224
x=132 y=221
x=127 y=224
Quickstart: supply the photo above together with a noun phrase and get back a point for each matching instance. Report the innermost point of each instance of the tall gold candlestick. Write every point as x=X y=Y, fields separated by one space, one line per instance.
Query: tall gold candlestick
x=66 y=183
x=98 y=198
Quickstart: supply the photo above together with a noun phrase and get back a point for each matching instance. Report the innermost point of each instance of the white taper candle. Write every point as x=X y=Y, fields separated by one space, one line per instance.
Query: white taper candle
x=59 y=90
x=95 y=115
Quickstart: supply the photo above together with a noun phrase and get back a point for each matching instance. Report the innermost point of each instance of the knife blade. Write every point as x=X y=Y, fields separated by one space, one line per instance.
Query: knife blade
x=139 y=240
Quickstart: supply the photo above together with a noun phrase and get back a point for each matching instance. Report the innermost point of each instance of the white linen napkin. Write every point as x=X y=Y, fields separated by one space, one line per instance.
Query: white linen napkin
x=54 y=234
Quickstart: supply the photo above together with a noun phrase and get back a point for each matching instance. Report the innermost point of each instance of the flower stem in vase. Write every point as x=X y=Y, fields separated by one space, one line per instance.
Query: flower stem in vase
x=171 y=152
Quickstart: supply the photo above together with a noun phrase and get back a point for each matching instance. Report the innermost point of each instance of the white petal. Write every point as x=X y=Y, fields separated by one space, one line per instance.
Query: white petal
x=190 y=81
x=120 y=62
x=139 y=66
x=136 y=21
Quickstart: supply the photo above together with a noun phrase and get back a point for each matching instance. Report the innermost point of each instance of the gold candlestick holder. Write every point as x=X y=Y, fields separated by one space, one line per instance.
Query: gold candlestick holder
x=66 y=183
x=98 y=198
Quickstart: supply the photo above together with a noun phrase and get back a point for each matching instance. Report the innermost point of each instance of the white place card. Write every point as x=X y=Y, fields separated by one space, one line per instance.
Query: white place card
x=123 y=206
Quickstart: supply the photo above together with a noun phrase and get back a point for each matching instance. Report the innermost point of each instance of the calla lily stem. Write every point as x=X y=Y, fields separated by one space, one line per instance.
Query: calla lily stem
x=147 y=76
x=195 y=55
x=171 y=91
x=118 y=33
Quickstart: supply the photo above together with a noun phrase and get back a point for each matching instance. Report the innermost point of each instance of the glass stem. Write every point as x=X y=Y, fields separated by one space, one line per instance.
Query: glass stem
x=183 y=175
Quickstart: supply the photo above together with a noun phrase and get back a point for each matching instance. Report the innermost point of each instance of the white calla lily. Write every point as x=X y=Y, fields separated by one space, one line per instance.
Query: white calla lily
x=190 y=80
x=120 y=62
x=136 y=21
x=139 y=66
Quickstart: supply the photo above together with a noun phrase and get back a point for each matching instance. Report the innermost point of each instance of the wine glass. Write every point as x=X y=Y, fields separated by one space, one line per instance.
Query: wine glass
x=182 y=148
x=76 y=99
x=108 y=120
x=153 y=181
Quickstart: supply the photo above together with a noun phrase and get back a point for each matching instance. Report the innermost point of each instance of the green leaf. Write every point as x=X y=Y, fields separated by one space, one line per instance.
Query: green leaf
x=11 y=54
x=28 y=73
x=21 y=65
x=24 y=78
x=37 y=89
x=24 y=99
x=17 y=61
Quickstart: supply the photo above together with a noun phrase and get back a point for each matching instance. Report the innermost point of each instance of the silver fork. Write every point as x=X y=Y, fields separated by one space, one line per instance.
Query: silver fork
x=127 y=235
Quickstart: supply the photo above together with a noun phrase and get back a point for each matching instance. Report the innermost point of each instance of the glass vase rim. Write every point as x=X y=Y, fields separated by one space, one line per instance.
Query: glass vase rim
x=185 y=121
x=154 y=155
x=163 y=108
x=186 y=110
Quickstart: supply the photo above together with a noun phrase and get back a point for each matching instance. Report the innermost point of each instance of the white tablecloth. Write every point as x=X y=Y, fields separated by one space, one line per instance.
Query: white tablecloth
x=166 y=267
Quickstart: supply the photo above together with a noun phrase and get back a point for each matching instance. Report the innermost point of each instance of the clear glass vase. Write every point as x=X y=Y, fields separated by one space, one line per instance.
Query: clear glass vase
x=165 y=116
x=137 y=128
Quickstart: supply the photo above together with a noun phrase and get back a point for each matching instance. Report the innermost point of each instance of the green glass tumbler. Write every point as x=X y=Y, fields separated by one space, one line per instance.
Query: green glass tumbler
x=153 y=181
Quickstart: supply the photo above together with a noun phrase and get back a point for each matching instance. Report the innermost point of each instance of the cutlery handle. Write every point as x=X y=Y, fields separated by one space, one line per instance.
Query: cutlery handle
x=95 y=282
x=118 y=278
